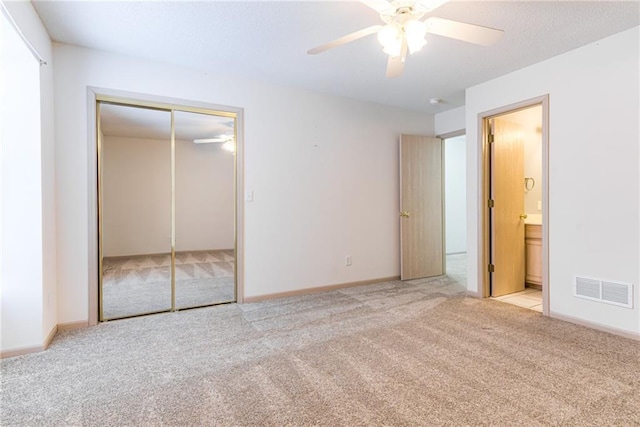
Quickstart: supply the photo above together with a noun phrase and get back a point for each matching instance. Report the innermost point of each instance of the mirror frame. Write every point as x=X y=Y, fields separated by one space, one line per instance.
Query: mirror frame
x=100 y=95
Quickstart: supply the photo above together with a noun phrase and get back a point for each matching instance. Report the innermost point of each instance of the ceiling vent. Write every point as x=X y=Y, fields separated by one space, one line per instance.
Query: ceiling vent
x=620 y=294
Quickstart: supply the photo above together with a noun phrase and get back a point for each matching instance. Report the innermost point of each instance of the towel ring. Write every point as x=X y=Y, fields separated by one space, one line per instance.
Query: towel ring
x=529 y=183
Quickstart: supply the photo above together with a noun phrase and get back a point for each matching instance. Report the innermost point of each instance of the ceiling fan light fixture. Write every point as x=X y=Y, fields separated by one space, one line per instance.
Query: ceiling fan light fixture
x=404 y=28
x=390 y=37
x=393 y=49
x=230 y=145
x=415 y=31
x=226 y=139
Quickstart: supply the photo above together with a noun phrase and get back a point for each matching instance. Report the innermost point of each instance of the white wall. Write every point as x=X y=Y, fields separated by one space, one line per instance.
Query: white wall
x=323 y=171
x=137 y=196
x=21 y=193
x=450 y=121
x=593 y=160
x=204 y=197
x=533 y=169
x=136 y=182
x=46 y=316
x=455 y=194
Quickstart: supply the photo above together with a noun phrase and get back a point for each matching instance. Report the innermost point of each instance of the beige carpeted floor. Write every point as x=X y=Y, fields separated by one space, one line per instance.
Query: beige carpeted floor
x=398 y=353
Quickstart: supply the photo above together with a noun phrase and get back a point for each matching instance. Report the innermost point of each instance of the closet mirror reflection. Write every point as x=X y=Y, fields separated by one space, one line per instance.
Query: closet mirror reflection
x=205 y=238
x=135 y=210
x=166 y=209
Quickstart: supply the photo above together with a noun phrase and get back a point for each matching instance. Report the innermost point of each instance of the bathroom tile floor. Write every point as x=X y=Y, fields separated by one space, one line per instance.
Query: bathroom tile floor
x=530 y=298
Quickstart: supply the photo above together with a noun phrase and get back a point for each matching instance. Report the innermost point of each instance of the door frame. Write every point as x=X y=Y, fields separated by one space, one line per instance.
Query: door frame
x=94 y=94
x=485 y=162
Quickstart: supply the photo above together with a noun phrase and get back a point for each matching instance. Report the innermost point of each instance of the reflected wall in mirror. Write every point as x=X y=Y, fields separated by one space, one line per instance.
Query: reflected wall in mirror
x=205 y=229
x=135 y=210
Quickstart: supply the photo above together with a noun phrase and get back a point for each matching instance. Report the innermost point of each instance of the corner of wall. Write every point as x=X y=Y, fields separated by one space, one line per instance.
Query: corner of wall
x=450 y=121
x=32 y=28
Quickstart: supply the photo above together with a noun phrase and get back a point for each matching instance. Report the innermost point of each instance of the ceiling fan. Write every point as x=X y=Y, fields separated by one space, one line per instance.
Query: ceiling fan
x=405 y=28
x=229 y=141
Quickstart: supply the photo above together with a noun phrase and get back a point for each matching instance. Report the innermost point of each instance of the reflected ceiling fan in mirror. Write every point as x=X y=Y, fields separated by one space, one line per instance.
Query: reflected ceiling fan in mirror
x=406 y=26
x=228 y=141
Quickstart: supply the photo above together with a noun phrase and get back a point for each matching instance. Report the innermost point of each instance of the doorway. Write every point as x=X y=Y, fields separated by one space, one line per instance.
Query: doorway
x=433 y=206
x=455 y=204
x=166 y=207
x=515 y=237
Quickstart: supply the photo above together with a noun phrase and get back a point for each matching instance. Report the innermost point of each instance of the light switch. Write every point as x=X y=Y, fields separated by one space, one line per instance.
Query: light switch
x=248 y=196
x=539 y=205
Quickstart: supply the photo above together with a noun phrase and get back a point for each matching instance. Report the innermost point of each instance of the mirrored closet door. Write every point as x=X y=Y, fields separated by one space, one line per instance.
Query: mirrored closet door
x=135 y=210
x=166 y=209
x=205 y=238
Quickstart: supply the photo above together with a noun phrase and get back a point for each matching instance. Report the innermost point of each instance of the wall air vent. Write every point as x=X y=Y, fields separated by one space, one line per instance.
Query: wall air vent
x=620 y=294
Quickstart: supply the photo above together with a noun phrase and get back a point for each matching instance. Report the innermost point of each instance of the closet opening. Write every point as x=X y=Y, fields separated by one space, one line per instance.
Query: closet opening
x=167 y=207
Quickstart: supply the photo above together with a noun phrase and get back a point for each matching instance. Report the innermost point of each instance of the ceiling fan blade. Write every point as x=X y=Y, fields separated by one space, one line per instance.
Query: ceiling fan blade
x=345 y=39
x=395 y=67
x=395 y=64
x=380 y=6
x=461 y=31
x=208 y=140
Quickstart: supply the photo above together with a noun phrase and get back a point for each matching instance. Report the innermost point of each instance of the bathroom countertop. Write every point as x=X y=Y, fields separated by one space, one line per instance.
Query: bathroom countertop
x=533 y=219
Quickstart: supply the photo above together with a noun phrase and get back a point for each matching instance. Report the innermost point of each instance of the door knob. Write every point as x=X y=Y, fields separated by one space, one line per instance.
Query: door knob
x=523 y=216
x=405 y=214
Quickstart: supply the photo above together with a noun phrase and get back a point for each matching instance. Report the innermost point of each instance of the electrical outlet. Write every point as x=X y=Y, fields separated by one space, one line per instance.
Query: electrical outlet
x=347 y=260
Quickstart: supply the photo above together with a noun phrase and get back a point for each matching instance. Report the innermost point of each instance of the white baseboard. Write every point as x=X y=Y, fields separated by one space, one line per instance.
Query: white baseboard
x=38 y=348
x=28 y=350
x=52 y=334
x=69 y=326
x=582 y=322
x=21 y=351
x=596 y=326
x=473 y=294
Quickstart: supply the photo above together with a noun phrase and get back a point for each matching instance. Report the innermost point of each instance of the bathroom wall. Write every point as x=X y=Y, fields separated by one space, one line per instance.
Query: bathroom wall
x=530 y=122
x=533 y=169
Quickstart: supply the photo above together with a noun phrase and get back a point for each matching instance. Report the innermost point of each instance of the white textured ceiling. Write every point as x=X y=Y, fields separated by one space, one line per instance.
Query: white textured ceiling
x=268 y=41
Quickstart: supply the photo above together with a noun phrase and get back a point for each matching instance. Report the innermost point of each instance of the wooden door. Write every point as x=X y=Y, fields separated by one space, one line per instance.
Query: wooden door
x=507 y=182
x=421 y=207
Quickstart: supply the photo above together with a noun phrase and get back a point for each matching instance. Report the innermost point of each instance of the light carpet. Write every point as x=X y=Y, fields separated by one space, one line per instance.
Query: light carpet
x=397 y=353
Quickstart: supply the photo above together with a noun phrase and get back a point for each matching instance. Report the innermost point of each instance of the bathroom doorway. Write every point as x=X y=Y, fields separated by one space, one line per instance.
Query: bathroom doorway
x=515 y=182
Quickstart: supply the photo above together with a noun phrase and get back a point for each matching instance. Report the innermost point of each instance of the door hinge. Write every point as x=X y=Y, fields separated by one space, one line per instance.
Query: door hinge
x=491 y=203
x=492 y=268
x=490 y=138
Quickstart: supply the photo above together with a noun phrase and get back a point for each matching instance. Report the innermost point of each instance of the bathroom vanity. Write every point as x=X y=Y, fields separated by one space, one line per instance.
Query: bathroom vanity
x=533 y=250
